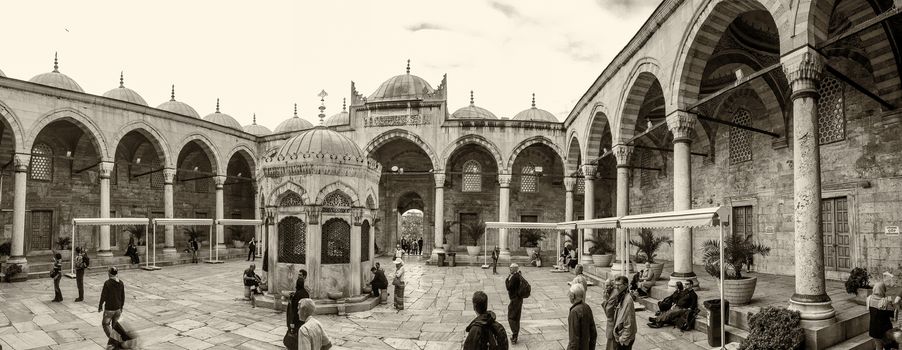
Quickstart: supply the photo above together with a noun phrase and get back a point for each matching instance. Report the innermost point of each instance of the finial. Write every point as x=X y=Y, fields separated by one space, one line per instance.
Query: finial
x=217 y=105
x=344 y=104
x=295 y=110
x=322 y=106
x=471 y=97
x=121 y=79
x=533 y=100
x=172 y=97
x=255 y=119
x=56 y=66
x=408 y=66
x=648 y=125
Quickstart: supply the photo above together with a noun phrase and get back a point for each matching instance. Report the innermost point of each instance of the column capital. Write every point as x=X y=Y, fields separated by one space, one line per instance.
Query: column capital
x=622 y=153
x=313 y=214
x=504 y=180
x=168 y=176
x=106 y=169
x=219 y=180
x=357 y=215
x=681 y=124
x=21 y=162
x=439 y=179
x=803 y=70
x=569 y=183
x=589 y=171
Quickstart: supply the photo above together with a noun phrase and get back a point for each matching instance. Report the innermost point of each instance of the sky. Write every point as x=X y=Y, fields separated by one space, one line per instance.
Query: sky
x=262 y=58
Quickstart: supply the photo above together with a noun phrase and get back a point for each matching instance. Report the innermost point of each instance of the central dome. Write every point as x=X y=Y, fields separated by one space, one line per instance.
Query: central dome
x=402 y=87
x=319 y=141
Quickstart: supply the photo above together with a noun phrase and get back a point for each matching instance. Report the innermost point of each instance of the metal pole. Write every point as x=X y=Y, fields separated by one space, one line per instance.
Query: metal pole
x=217 y=242
x=723 y=323
x=626 y=253
x=72 y=248
x=485 y=248
x=210 y=256
x=154 y=245
x=147 y=250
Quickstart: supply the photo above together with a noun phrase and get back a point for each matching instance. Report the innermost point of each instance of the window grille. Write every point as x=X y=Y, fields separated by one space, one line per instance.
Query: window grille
x=365 y=241
x=646 y=177
x=336 y=202
x=291 y=199
x=831 y=117
x=336 y=242
x=528 y=179
x=472 y=177
x=156 y=180
x=292 y=241
x=42 y=162
x=741 y=139
x=580 y=181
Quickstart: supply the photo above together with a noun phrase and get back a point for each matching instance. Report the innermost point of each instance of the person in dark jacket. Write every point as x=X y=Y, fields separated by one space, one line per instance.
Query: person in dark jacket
x=514 y=309
x=57 y=274
x=291 y=315
x=581 y=322
x=81 y=263
x=496 y=253
x=252 y=250
x=379 y=282
x=112 y=299
x=484 y=331
x=684 y=301
x=132 y=252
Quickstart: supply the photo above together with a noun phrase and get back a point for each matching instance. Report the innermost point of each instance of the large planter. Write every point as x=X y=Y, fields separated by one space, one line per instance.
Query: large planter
x=861 y=296
x=446 y=247
x=602 y=260
x=739 y=292
x=238 y=244
x=657 y=269
x=530 y=251
x=473 y=250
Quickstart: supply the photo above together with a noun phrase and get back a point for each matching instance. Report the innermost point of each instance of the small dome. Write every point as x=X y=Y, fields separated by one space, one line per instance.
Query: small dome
x=340 y=118
x=294 y=123
x=319 y=140
x=536 y=114
x=223 y=119
x=125 y=94
x=402 y=87
x=257 y=130
x=57 y=79
x=2 y=74
x=472 y=112
x=178 y=107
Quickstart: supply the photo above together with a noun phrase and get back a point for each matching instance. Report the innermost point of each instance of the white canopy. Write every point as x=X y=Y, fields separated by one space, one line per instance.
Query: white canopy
x=706 y=217
x=566 y=225
x=524 y=225
x=182 y=221
x=239 y=222
x=110 y=221
x=611 y=222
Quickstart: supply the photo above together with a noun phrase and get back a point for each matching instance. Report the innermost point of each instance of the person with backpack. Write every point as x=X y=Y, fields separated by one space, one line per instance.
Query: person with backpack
x=581 y=322
x=484 y=332
x=517 y=289
x=56 y=275
x=82 y=261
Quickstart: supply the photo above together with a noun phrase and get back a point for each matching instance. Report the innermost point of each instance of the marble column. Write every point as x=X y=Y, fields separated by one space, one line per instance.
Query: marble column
x=569 y=185
x=504 y=193
x=314 y=248
x=219 y=180
x=622 y=153
x=106 y=169
x=355 y=279
x=439 y=215
x=803 y=70
x=681 y=124
x=17 y=251
x=168 y=211
x=588 y=213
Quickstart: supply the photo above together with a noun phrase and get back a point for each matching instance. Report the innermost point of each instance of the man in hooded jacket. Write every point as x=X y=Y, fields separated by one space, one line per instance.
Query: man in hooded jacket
x=484 y=332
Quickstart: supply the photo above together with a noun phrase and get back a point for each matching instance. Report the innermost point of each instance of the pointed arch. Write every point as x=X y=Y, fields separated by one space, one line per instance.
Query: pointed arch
x=15 y=127
x=644 y=74
x=597 y=125
x=156 y=138
x=275 y=197
x=77 y=118
x=372 y=201
x=574 y=155
x=533 y=141
x=477 y=140
x=207 y=146
x=247 y=151
x=338 y=186
x=395 y=134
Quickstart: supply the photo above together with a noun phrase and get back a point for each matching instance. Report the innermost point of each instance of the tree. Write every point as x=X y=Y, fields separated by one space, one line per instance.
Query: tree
x=412 y=224
x=648 y=245
x=738 y=251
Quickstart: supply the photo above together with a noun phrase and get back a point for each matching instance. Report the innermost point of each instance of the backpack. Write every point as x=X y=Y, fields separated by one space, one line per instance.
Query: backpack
x=525 y=288
x=85 y=261
x=687 y=321
x=497 y=336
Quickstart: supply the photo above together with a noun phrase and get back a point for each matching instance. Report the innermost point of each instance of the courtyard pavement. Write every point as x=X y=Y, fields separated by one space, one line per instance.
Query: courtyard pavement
x=199 y=307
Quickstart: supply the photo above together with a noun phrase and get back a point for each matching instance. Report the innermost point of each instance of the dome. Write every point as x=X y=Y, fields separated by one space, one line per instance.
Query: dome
x=536 y=114
x=57 y=79
x=402 y=87
x=123 y=93
x=340 y=118
x=256 y=130
x=319 y=140
x=178 y=107
x=472 y=112
x=294 y=123
x=223 y=119
x=2 y=74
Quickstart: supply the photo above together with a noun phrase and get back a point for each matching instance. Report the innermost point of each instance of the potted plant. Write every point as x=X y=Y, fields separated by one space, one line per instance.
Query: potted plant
x=10 y=271
x=63 y=245
x=601 y=250
x=447 y=231
x=5 y=250
x=859 y=284
x=474 y=231
x=137 y=233
x=237 y=234
x=647 y=246
x=530 y=239
x=774 y=328
x=738 y=251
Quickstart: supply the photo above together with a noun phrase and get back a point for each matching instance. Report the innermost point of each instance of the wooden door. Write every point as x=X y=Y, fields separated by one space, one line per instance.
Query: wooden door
x=837 y=238
x=41 y=235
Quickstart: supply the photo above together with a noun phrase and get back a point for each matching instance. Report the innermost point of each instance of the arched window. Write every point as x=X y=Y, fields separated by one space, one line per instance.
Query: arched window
x=336 y=202
x=472 y=177
x=365 y=241
x=741 y=139
x=42 y=162
x=528 y=179
x=291 y=199
x=831 y=117
x=292 y=241
x=336 y=242
x=580 y=181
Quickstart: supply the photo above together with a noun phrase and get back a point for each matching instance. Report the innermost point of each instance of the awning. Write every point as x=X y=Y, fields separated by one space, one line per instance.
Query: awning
x=683 y=218
x=566 y=225
x=110 y=221
x=182 y=221
x=598 y=223
x=239 y=222
x=523 y=225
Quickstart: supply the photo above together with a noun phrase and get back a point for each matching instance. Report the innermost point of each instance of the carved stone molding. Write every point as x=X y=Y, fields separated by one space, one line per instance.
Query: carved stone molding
x=357 y=215
x=21 y=162
x=569 y=183
x=439 y=179
x=504 y=180
x=168 y=176
x=106 y=169
x=219 y=180
x=589 y=171
x=803 y=70
x=313 y=214
x=681 y=124
x=622 y=153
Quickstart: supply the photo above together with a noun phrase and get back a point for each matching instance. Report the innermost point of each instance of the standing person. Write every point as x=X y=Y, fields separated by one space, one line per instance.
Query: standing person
x=399 y=253
x=194 y=249
x=311 y=336
x=624 y=325
x=420 y=246
x=581 y=280
x=250 y=281
x=252 y=250
x=82 y=261
x=496 y=253
x=292 y=319
x=112 y=299
x=513 y=283
x=880 y=307
x=404 y=244
x=484 y=332
x=379 y=282
x=56 y=275
x=399 y=284
x=581 y=322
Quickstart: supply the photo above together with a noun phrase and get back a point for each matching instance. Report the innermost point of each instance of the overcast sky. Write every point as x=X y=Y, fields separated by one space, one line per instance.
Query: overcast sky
x=261 y=57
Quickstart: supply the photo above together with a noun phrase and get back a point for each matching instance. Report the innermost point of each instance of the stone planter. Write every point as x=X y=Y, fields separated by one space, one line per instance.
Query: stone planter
x=739 y=292
x=334 y=295
x=142 y=249
x=657 y=269
x=446 y=247
x=861 y=296
x=602 y=260
x=473 y=250
x=238 y=244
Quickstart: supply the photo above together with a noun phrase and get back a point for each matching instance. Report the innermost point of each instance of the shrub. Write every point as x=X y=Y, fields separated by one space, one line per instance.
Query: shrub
x=858 y=278
x=648 y=245
x=12 y=270
x=774 y=328
x=601 y=244
x=474 y=230
x=62 y=242
x=6 y=248
x=739 y=251
x=530 y=238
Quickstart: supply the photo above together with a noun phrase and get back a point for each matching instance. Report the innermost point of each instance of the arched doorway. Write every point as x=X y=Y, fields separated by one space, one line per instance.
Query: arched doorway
x=411 y=219
x=194 y=191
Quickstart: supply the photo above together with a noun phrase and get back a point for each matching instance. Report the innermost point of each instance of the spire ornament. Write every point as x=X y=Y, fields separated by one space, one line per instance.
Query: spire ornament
x=533 y=100
x=344 y=104
x=322 y=106
x=121 y=79
x=254 y=120
x=408 y=66
x=295 y=110
x=172 y=96
x=217 y=105
x=471 y=97
x=56 y=65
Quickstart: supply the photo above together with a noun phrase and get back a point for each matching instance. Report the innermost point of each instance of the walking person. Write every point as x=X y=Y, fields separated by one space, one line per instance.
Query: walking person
x=484 y=332
x=82 y=261
x=292 y=319
x=311 y=335
x=251 y=281
x=194 y=248
x=399 y=284
x=581 y=322
x=112 y=300
x=514 y=283
x=624 y=322
x=496 y=253
x=252 y=250
x=420 y=246
x=580 y=279
x=56 y=274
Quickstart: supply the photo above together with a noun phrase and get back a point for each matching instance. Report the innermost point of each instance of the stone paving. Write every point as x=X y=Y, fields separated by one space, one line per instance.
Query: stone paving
x=199 y=307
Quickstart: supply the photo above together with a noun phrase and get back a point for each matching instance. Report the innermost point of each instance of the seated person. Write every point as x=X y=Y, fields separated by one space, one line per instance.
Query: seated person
x=573 y=259
x=643 y=281
x=684 y=301
x=563 y=259
x=379 y=281
x=535 y=259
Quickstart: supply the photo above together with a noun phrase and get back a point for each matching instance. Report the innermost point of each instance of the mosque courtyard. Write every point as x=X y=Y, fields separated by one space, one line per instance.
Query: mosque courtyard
x=199 y=307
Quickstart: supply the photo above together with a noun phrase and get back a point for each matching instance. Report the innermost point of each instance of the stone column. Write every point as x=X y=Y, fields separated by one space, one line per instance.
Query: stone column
x=588 y=213
x=355 y=279
x=439 y=215
x=168 y=211
x=569 y=185
x=17 y=251
x=622 y=153
x=803 y=70
x=106 y=169
x=504 y=193
x=681 y=124
x=314 y=244
x=220 y=208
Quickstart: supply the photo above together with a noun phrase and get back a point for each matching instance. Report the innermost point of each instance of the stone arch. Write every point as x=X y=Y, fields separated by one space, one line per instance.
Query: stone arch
x=15 y=127
x=156 y=138
x=533 y=141
x=395 y=134
x=275 y=197
x=574 y=155
x=477 y=140
x=207 y=146
x=77 y=118
x=338 y=186
x=597 y=124
x=645 y=76
x=248 y=153
x=371 y=199
x=708 y=24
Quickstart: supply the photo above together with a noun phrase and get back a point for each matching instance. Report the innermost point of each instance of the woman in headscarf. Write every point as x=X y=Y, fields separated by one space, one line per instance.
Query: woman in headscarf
x=881 y=309
x=293 y=322
x=399 y=284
